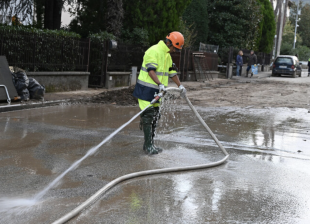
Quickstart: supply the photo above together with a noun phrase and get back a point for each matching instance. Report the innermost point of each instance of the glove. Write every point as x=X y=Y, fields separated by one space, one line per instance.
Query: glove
x=174 y=67
x=161 y=88
x=183 y=91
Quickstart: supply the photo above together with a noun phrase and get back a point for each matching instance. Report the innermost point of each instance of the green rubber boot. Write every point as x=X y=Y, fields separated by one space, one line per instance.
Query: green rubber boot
x=154 y=124
x=148 y=146
x=147 y=121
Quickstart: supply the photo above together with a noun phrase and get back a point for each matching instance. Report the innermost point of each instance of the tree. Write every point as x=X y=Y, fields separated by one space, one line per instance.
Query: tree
x=196 y=15
x=93 y=16
x=158 y=17
x=49 y=9
x=288 y=35
x=23 y=9
x=52 y=14
x=304 y=25
x=189 y=33
x=39 y=7
x=115 y=15
x=267 y=27
x=234 y=23
x=89 y=17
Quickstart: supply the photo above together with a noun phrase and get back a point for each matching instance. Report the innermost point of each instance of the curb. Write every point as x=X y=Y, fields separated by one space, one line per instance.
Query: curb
x=11 y=107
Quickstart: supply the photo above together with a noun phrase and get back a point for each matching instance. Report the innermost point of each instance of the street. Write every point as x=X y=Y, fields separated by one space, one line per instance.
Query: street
x=265 y=179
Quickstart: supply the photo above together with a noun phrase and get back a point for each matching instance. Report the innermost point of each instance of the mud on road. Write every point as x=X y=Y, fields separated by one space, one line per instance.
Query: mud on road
x=250 y=92
x=256 y=93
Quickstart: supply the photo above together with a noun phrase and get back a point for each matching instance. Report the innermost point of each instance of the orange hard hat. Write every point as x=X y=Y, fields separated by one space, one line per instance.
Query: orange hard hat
x=176 y=39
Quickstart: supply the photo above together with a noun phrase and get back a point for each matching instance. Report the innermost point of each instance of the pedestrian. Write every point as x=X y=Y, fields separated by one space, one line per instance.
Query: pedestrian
x=252 y=61
x=239 y=63
x=156 y=69
x=309 y=67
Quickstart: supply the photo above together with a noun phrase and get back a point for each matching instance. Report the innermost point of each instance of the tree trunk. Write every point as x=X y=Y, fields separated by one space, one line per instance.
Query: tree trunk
x=52 y=15
x=39 y=8
x=115 y=14
x=48 y=14
x=57 y=14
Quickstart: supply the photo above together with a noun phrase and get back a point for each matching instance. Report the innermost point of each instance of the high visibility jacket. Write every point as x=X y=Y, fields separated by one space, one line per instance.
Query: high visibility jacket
x=158 y=59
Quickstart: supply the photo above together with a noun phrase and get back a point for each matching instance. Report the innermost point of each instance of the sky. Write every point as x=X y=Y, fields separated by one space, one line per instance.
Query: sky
x=304 y=1
x=65 y=17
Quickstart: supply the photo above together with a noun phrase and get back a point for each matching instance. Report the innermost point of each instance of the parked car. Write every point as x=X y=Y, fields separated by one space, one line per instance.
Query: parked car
x=304 y=64
x=286 y=65
x=270 y=66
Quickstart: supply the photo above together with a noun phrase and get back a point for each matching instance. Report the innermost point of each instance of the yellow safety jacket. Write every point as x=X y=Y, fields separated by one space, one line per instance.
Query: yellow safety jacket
x=158 y=59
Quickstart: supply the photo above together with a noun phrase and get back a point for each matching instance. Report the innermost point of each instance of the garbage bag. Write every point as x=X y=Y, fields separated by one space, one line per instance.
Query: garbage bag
x=20 y=81
x=36 y=90
x=24 y=95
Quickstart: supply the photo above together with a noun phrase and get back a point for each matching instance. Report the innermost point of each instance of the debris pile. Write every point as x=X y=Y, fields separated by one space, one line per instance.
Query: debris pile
x=122 y=97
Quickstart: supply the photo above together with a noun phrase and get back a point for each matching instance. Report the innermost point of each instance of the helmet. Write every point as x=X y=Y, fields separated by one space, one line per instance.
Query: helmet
x=176 y=39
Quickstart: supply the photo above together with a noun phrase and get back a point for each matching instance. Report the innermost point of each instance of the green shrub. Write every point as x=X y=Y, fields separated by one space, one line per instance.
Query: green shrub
x=23 y=30
x=40 y=50
x=101 y=37
x=137 y=36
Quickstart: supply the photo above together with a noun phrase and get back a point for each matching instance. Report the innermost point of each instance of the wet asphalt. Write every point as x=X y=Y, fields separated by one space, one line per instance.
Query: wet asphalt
x=266 y=179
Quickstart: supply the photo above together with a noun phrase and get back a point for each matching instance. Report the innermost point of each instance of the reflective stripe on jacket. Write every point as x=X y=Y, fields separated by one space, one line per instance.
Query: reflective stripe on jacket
x=158 y=59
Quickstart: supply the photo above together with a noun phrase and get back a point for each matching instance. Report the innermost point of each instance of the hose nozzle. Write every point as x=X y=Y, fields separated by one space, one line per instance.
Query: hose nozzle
x=158 y=96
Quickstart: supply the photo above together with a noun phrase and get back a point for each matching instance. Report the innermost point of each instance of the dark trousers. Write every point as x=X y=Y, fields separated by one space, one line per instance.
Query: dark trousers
x=248 y=68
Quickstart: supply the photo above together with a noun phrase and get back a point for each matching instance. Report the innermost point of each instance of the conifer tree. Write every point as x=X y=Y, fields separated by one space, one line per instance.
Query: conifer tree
x=267 y=27
x=158 y=17
x=196 y=15
x=233 y=22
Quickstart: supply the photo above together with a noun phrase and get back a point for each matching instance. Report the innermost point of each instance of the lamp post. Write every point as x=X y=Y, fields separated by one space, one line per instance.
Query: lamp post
x=281 y=28
x=296 y=25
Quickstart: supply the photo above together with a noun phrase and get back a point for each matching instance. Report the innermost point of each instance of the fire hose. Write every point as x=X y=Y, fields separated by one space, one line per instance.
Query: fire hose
x=116 y=181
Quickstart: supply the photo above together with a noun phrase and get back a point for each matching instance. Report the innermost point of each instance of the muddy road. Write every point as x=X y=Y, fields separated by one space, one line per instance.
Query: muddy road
x=266 y=179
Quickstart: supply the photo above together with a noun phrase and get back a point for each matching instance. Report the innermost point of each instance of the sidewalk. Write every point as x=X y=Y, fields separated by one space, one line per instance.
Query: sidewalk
x=260 y=75
x=266 y=76
x=52 y=99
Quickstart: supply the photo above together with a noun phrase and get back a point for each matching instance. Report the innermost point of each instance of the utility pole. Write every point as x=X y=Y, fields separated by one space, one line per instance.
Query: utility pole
x=296 y=25
x=281 y=27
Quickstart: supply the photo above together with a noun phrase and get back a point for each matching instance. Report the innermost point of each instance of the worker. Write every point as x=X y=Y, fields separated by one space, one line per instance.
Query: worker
x=156 y=69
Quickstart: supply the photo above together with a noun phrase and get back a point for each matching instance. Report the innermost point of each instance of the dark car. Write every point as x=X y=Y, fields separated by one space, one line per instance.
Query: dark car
x=286 y=65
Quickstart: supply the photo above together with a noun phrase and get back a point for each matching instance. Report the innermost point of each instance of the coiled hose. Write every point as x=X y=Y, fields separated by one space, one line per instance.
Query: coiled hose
x=103 y=190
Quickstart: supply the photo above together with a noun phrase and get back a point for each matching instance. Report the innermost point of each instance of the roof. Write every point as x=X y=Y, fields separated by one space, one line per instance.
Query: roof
x=286 y=55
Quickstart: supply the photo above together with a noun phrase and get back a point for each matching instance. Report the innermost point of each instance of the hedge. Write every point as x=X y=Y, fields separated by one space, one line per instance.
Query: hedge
x=35 y=49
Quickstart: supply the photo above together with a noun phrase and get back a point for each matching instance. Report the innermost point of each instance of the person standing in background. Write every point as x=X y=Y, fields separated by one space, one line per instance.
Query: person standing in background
x=252 y=61
x=309 y=67
x=239 y=63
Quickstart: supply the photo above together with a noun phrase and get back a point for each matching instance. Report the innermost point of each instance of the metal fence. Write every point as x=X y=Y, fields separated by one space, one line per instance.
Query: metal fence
x=126 y=56
x=184 y=61
x=208 y=48
x=35 y=52
x=39 y=52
